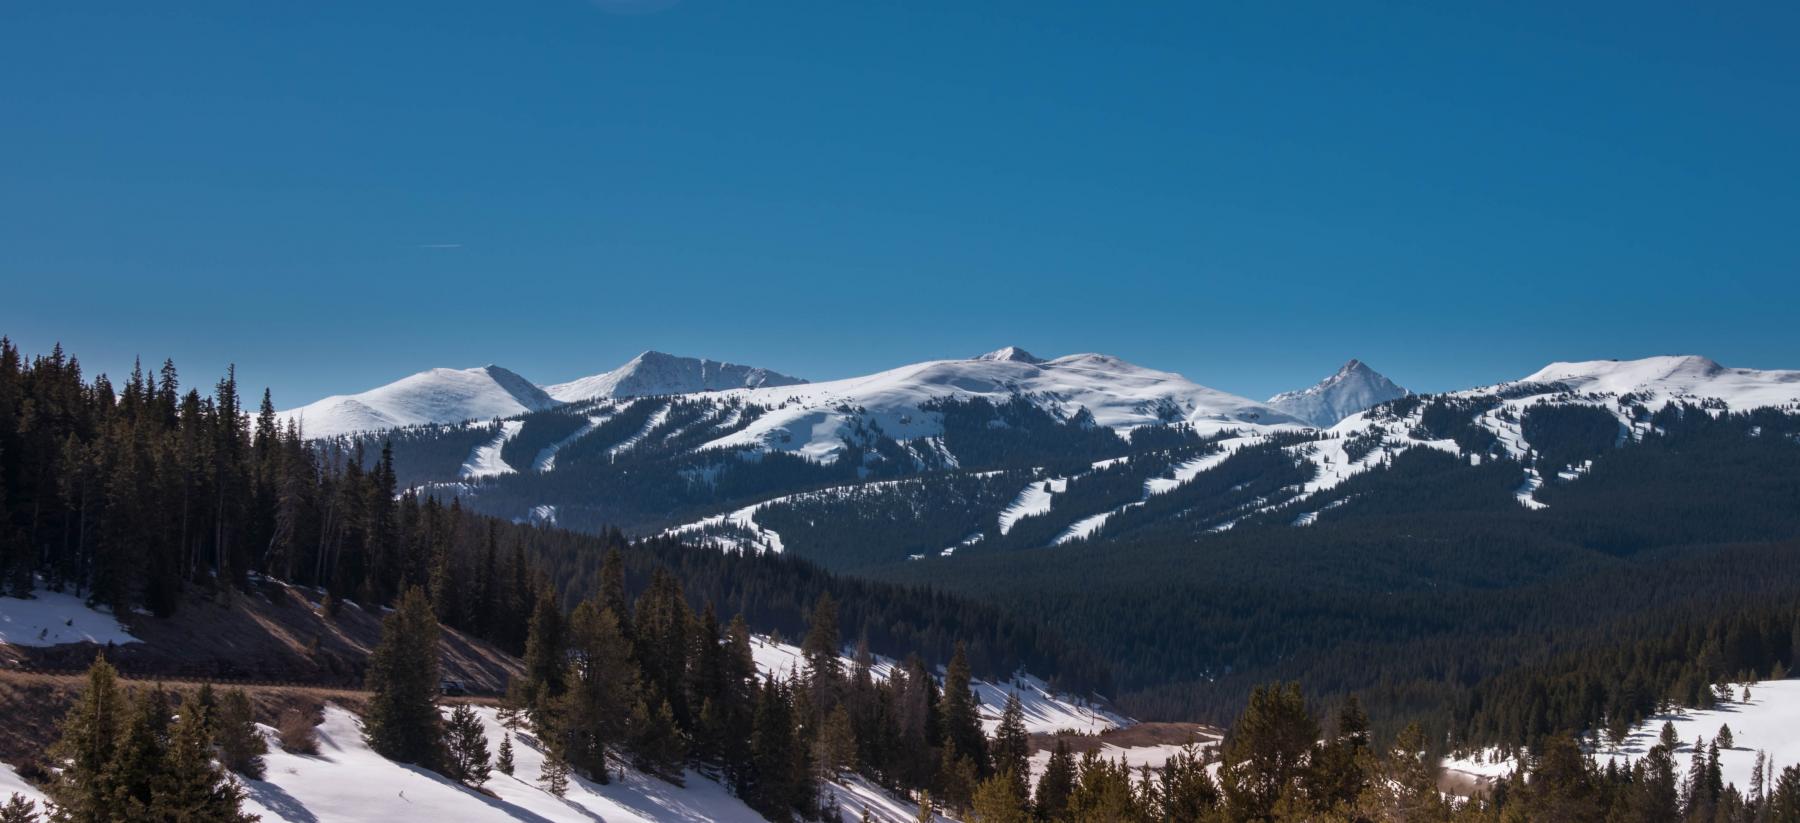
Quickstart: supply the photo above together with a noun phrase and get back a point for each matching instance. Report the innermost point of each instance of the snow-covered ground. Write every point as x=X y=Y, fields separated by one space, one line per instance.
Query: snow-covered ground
x=814 y=418
x=657 y=418
x=435 y=396
x=1768 y=722
x=546 y=457
x=1044 y=710
x=1034 y=500
x=485 y=459
x=347 y=782
x=50 y=618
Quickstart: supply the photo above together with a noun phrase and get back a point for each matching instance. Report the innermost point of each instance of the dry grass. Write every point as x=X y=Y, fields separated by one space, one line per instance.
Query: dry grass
x=275 y=634
x=1131 y=737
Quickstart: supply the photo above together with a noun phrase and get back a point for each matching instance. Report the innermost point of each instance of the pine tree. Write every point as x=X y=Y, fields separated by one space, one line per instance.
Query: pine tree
x=505 y=762
x=554 y=776
x=131 y=775
x=1724 y=738
x=835 y=746
x=191 y=787
x=1188 y=790
x=402 y=722
x=772 y=787
x=18 y=810
x=543 y=681
x=600 y=691
x=81 y=790
x=821 y=650
x=962 y=715
x=1000 y=799
x=655 y=742
x=241 y=746
x=467 y=744
x=1669 y=738
x=1268 y=750
x=1057 y=783
x=1012 y=745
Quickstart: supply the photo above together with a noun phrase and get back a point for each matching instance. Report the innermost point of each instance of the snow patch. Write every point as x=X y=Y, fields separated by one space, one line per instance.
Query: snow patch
x=53 y=618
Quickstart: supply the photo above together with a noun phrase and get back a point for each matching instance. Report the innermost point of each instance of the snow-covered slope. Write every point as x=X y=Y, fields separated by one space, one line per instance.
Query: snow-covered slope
x=1657 y=379
x=814 y=419
x=1045 y=711
x=50 y=618
x=1353 y=388
x=1768 y=722
x=654 y=373
x=435 y=396
x=347 y=782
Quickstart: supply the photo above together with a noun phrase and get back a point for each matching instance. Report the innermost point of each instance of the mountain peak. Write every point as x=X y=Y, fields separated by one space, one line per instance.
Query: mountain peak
x=655 y=373
x=431 y=396
x=1012 y=354
x=1354 y=387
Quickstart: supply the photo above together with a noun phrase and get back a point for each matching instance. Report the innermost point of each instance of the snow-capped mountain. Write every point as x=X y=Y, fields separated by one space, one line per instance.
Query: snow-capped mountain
x=1013 y=354
x=434 y=396
x=656 y=373
x=1654 y=380
x=815 y=419
x=1353 y=388
x=456 y=395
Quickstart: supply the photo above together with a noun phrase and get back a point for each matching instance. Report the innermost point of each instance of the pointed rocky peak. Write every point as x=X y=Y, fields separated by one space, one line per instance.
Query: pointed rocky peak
x=1351 y=389
x=1011 y=354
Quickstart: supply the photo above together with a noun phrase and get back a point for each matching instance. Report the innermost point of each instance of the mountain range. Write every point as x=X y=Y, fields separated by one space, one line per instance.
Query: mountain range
x=456 y=395
x=1113 y=392
x=1002 y=450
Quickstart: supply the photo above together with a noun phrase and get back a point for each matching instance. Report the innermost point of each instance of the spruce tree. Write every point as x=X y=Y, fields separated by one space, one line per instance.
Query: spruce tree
x=1268 y=750
x=822 y=649
x=600 y=691
x=962 y=715
x=772 y=788
x=139 y=758
x=81 y=791
x=402 y=722
x=554 y=776
x=1057 y=783
x=18 y=810
x=543 y=681
x=505 y=761
x=1000 y=799
x=1012 y=744
x=467 y=746
x=241 y=745
x=191 y=787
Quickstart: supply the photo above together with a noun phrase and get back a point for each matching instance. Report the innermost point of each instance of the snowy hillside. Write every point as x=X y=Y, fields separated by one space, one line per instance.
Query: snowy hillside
x=815 y=419
x=1654 y=380
x=52 y=618
x=1768 y=722
x=1353 y=388
x=654 y=373
x=435 y=396
x=1045 y=711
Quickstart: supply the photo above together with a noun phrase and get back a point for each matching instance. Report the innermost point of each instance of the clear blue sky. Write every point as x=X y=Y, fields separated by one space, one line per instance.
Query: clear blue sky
x=337 y=194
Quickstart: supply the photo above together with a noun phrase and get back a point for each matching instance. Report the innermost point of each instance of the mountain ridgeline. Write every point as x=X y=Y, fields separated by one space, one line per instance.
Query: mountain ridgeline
x=147 y=496
x=1411 y=551
x=1497 y=564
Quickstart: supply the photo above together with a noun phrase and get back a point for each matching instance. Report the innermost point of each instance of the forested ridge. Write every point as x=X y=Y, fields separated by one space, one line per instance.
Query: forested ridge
x=135 y=495
x=1436 y=582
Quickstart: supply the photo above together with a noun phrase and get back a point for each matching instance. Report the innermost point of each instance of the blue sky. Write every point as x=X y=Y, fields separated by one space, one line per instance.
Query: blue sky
x=333 y=195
